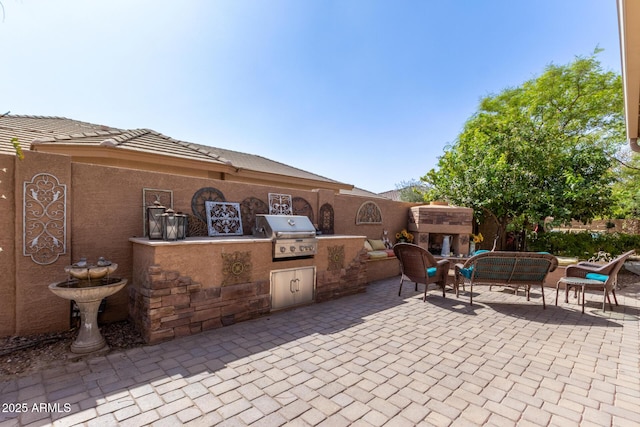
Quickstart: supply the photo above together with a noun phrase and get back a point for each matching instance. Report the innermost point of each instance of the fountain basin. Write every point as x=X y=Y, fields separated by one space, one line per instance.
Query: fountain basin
x=85 y=291
x=87 y=296
x=90 y=272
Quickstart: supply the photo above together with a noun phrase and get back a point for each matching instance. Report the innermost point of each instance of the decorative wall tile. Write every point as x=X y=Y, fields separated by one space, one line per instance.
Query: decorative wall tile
x=236 y=268
x=44 y=219
x=369 y=213
x=280 y=204
x=336 y=258
x=223 y=218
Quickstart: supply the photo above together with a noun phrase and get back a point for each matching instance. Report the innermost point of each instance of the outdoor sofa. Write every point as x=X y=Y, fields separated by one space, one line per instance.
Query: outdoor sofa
x=505 y=268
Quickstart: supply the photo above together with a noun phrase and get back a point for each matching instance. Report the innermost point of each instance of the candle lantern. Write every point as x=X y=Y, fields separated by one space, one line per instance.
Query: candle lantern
x=182 y=225
x=154 y=224
x=169 y=225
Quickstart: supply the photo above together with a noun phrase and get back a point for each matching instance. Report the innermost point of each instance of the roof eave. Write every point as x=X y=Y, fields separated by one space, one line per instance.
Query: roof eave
x=83 y=152
x=289 y=181
x=628 y=22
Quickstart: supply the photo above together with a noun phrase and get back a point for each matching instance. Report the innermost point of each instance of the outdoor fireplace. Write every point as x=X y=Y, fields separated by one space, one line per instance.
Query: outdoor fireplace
x=431 y=223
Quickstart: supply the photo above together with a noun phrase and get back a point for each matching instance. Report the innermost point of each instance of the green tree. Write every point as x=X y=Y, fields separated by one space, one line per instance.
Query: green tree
x=542 y=149
x=627 y=189
x=411 y=191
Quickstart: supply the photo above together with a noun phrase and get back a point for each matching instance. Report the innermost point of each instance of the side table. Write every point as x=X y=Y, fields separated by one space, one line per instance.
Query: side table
x=582 y=284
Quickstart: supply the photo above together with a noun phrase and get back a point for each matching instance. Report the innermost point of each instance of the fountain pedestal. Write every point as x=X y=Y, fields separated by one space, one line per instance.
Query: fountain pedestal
x=88 y=291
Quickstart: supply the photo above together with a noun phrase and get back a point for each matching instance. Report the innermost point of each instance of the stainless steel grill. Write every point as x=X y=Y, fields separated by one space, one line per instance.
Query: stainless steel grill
x=292 y=235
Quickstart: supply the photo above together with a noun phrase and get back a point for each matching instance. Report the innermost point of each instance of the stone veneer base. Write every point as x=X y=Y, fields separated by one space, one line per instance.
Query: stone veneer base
x=168 y=304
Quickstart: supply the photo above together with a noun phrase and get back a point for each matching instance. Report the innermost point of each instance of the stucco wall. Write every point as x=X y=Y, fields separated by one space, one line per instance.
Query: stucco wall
x=7 y=243
x=36 y=308
x=104 y=210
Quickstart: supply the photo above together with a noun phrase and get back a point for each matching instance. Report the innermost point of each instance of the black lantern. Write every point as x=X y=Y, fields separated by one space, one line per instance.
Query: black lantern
x=154 y=224
x=169 y=225
x=182 y=225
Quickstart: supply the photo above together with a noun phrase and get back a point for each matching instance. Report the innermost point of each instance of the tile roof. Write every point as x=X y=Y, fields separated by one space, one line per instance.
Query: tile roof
x=355 y=191
x=261 y=164
x=60 y=130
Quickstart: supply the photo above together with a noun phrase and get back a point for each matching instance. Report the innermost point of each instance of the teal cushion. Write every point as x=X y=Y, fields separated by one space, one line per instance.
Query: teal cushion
x=480 y=251
x=467 y=272
x=431 y=271
x=596 y=276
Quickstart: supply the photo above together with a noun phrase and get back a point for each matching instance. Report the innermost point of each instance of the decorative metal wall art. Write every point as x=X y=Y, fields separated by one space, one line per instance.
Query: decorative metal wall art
x=236 y=268
x=44 y=219
x=369 y=213
x=326 y=220
x=336 y=258
x=249 y=208
x=280 y=204
x=151 y=195
x=223 y=218
x=197 y=227
x=302 y=207
x=202 y=195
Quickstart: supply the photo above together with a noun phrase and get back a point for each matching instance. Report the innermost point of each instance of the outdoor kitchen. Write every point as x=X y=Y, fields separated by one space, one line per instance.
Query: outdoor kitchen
x=185 y=286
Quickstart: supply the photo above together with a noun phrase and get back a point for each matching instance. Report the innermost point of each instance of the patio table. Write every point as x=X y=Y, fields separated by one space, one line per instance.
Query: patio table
x=453 y=260
x=581 y=284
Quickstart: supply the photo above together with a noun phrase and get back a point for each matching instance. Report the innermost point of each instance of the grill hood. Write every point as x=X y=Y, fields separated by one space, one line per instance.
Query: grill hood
x=283 y=226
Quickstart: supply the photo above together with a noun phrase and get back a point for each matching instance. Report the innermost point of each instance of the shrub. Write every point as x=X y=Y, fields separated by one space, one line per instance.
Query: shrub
x=583 y=244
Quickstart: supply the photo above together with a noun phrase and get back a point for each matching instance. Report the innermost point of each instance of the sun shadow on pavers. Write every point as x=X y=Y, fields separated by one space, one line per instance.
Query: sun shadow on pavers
x=373 y=358
x=89 y=385
x=551 y=315
x=449 y=302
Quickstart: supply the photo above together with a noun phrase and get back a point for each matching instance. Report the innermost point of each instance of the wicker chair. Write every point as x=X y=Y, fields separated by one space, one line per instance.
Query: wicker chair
x=606 y=273
x=419 y=266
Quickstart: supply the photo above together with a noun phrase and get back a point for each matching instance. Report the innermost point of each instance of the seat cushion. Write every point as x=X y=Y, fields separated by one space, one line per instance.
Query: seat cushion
x=596 y=276
x=377 y=244
x=431 y=271
x=378 y=254
x=467 y=272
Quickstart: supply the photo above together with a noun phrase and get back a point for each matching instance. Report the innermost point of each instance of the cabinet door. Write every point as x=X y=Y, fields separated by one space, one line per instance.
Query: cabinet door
x=283 y=289
x=291 y=287
x=305 y=281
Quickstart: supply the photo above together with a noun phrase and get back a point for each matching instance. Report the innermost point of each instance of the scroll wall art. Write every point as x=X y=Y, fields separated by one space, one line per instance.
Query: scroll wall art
x=44 y=219
x=280 y=204
x=369 y=213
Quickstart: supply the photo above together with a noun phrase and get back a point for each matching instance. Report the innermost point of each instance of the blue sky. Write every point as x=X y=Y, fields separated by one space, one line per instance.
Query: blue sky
x=364 y=92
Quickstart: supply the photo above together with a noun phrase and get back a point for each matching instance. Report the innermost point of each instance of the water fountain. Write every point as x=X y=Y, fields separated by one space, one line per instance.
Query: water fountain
x=88 y=285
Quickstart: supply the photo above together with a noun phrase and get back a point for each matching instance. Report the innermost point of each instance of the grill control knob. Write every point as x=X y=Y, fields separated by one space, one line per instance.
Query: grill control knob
x=292 y=248
x=282 y=249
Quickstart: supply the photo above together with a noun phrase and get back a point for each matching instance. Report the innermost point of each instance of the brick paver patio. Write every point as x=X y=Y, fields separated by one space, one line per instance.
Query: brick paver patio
x=371 y=359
